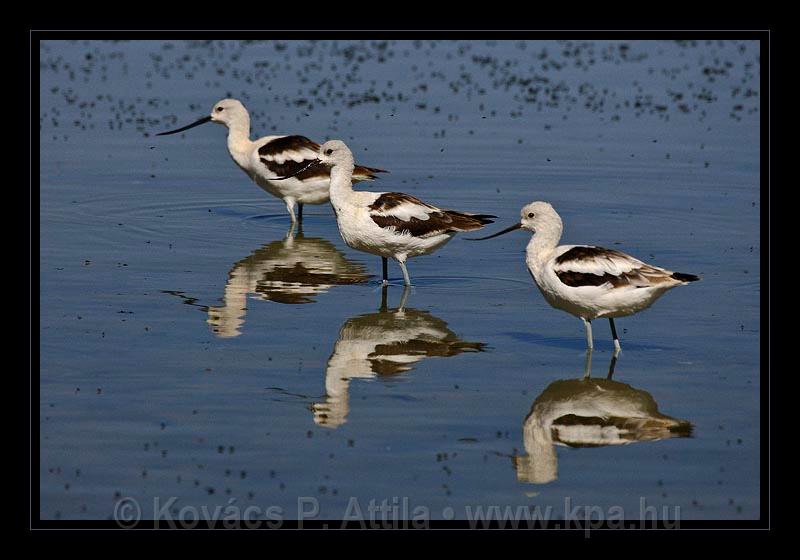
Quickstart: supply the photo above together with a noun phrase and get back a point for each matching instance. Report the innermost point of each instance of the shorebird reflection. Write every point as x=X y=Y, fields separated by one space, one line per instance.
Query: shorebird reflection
x=385 y=343
x=589 y=412
x=291 y=270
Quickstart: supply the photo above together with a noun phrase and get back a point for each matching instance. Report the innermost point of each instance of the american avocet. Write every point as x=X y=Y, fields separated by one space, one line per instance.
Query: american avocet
x=588 y=412
x=387 y=343
x=275 y=156
x=388 y=224
x=586 y=281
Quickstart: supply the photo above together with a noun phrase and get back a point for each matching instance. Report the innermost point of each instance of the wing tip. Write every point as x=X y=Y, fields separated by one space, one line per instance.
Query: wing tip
x=484 y=219
x=684 y=277
x=470 y=222
x=361 y=173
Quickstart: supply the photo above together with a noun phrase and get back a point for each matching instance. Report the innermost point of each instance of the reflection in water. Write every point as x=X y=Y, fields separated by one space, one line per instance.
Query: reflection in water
x=589 y=412
x=386 y=343
x=291 y=270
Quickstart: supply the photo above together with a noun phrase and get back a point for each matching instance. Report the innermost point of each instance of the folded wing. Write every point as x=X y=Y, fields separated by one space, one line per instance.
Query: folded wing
x=409 y=215
x=286 y=155
x=597 y=266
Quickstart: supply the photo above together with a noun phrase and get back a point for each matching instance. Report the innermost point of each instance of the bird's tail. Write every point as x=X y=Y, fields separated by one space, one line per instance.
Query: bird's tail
x=680 y=276
x=465 y=221
x=361 y=173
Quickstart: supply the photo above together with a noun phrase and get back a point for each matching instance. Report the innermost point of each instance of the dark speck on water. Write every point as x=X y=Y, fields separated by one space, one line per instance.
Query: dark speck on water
x=651 y=147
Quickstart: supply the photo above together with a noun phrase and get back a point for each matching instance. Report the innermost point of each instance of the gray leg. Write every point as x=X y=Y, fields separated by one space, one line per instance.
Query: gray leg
x=587 y=367
x=290 y=235
x=617 y=347
x=290 y=208
x=404 y=298
x=299 y=212
x=385 y=263
x=589 y=341
x=406 y=279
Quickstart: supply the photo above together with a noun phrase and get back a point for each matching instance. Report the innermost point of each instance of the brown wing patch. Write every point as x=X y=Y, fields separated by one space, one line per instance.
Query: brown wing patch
x=438 y=222
x=362 y=173
x=587 y=253
x=286 y=144
x=435 y=224
x=643 y=276
x=389 y=200
x=578 y=279
x=469 y=222
x=290 y=168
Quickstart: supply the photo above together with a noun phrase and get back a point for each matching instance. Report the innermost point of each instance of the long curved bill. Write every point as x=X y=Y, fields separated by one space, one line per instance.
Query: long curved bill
x=508 y=229
x=313 y=164
x=204 y=120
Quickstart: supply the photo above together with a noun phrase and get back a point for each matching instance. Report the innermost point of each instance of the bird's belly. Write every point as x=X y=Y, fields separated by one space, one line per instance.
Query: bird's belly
x=572 y=305
x=627 y=301
x=361 y=233
x=309 y=192
x=580 y=302
x=593 y=302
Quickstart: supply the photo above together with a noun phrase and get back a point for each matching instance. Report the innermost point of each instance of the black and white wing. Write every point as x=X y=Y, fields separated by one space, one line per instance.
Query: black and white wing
x=582 y=265
x=409 y=215
x=291 y=156
x=286 y=155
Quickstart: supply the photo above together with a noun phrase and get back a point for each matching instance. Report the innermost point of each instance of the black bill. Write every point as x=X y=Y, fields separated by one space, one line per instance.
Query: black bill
x=512 y=228
x=204 y=120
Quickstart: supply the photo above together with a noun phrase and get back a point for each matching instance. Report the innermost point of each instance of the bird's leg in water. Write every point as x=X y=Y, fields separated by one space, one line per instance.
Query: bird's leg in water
x=617 y=346
x=587 y=367
x=588 y=325
x=406 y=279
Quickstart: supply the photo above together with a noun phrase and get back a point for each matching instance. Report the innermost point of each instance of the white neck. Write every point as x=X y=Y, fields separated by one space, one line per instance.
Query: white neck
x=239 y=140
x=542 y=245
x=341 y=182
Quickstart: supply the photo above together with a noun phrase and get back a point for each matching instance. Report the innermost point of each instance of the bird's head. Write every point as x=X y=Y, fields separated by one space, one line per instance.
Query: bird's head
x=228 y=112
x=335 y=152
x=536 y=216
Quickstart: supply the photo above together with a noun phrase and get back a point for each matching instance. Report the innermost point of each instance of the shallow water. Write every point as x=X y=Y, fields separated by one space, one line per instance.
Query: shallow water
x=189 y=350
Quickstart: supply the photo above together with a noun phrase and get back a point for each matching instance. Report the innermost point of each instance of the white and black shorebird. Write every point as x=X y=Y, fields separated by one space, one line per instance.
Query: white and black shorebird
x=388 y=224
x=587 y=281
x=271 y=157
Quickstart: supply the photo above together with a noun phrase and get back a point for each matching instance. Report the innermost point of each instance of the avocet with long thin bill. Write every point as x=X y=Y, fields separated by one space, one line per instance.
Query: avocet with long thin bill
x=586 y=281
x=272 y=157
x=388 y=224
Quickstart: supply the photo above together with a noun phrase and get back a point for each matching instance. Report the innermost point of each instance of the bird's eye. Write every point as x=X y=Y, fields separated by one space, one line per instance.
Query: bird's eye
x=328 y=152
x=530 y=214
x=219 y=109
